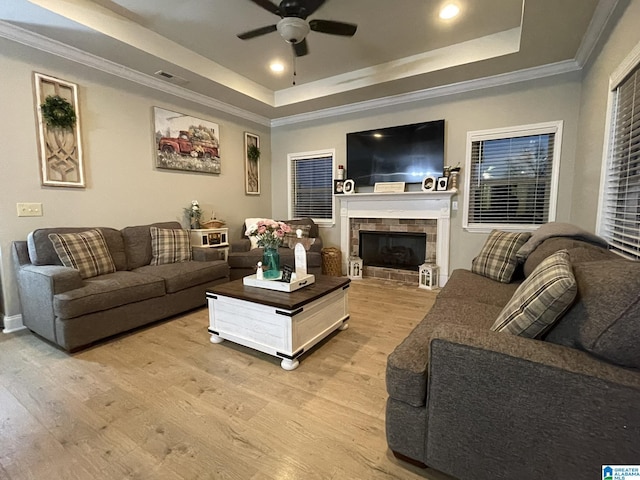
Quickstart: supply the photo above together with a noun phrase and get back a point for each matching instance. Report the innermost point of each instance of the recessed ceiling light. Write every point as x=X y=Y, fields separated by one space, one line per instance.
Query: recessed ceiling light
x=277 y=67
x=449 y=11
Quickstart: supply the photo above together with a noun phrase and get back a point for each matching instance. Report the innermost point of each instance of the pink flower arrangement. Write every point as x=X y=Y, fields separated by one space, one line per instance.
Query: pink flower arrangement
x=268 y=232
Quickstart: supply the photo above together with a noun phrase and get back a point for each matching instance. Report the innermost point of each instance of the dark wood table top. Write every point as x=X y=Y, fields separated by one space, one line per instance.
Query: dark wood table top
x=288 y=301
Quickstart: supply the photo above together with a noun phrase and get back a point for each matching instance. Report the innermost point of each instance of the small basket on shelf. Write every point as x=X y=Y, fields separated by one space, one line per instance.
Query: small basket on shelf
x=213 y=224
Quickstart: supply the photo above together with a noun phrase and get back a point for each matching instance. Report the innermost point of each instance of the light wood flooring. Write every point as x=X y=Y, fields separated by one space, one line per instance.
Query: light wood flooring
x=165 y=403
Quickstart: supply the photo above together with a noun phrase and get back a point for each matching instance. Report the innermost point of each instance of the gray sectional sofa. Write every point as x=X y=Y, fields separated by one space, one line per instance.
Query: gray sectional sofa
x=72 y=312
x=481 y=404
x=243 y=259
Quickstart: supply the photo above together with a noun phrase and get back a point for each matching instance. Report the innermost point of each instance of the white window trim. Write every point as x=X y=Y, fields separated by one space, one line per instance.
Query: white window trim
x=630 y=62
x=513 y=132
x=330 y=152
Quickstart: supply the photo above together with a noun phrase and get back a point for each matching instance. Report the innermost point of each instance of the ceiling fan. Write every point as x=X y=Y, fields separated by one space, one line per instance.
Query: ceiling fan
x=294 y=27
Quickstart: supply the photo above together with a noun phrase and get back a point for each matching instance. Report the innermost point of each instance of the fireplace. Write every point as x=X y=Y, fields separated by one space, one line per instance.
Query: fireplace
x=397 y=250
x=411 y=212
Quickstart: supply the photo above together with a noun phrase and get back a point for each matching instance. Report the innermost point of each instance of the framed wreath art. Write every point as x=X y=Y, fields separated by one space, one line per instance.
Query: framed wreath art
x=58 y=113
x=61 y=163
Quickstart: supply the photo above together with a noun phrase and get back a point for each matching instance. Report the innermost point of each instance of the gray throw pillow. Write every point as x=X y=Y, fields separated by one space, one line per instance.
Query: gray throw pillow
x=605 y=319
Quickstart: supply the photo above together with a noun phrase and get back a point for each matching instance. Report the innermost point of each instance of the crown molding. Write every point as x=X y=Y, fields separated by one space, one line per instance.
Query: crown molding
x=630 y=62
x=42 y=43
x=599 y=22
x=518 y=76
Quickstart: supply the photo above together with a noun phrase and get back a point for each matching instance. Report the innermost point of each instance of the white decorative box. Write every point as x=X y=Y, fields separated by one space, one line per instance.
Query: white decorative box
x=295 y=284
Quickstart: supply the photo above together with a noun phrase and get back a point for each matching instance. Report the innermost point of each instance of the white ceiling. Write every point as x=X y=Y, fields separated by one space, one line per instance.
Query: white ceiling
x=401 y=46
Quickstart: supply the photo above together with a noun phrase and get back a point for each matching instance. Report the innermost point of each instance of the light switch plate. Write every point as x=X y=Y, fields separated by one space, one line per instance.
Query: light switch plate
x=29 y=209
x=454 y=205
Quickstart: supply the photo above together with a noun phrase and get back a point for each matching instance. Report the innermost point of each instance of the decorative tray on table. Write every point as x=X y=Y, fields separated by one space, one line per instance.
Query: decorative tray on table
x=296 y=283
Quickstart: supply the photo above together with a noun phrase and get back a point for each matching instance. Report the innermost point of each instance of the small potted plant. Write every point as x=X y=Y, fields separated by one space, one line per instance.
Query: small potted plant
x=194 y=212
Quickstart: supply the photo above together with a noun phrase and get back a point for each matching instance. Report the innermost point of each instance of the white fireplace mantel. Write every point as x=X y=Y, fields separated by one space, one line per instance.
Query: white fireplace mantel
x=406 y=205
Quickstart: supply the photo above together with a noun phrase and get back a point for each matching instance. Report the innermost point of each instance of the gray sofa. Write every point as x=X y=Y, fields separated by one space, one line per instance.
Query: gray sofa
x=72 y=312
x=243 y=259
x=478 y=404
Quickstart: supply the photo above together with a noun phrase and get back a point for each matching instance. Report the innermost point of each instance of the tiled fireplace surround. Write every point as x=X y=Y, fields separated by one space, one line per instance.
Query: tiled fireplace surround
x=427 y=212
x=411 y=225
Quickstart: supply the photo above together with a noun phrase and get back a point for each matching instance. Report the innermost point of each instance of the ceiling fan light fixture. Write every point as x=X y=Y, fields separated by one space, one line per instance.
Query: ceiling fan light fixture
x=293 y=29
x=449 y=11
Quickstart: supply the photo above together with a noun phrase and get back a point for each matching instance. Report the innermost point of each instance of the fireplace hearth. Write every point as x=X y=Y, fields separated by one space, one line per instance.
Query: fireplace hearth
x=397 y=250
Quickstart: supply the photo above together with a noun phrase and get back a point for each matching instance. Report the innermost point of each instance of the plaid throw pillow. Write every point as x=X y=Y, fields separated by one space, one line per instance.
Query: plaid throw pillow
x=497 y=259
x=169 y=245
x=87 y=252
x=541 y=299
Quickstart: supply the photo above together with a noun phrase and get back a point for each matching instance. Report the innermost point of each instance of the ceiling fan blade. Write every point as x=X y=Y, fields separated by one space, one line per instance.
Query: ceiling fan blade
x=333 y=28
x=301 y=49
x=268 y=6
x=257 y=32
x=310 y=7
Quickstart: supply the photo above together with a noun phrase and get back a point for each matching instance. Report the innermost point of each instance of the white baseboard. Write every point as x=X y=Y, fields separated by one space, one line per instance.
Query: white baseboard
x=13 y=324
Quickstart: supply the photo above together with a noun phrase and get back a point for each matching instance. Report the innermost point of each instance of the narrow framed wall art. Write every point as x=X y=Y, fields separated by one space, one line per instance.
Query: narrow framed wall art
x=251 y=164
x=59 y=139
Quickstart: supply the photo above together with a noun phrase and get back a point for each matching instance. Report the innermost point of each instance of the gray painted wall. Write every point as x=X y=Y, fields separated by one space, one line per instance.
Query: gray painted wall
x=542 y=100
x=123 y=186
x=125 y=189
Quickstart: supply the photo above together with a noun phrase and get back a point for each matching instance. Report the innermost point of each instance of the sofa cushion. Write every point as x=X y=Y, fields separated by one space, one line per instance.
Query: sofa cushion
x=497 y=259
x=579 y=252
x=169 y=245
x=407 y=366
x=464 y=285
x=290 y=238
x=541 y=299
x=86 y=252
x=137 y=243
x=41 y=251
x=605 y=320
x=314 y=232
x=183 y=275
x=105 y=292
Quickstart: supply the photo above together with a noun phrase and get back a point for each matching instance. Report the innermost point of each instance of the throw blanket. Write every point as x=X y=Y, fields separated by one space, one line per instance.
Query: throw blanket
x=557 y=229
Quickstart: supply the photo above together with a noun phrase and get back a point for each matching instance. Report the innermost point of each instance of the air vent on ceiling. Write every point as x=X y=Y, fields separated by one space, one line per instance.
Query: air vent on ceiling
x=171 y=77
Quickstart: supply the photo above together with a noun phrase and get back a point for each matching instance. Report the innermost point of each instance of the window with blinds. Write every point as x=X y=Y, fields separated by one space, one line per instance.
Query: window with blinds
x=311 y=186
x=512 y=177
x=620 y=214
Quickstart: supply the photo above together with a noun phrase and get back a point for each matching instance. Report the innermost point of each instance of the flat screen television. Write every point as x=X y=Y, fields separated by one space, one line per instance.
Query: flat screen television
x=405 y=153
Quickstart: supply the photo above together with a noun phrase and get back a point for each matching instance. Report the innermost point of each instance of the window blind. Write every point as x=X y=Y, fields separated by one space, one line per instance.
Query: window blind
x=621 y=214
x=510 y=180
x=312 y=187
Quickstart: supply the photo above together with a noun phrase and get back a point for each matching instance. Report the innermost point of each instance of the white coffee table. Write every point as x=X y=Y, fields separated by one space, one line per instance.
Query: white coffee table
x=278 y=323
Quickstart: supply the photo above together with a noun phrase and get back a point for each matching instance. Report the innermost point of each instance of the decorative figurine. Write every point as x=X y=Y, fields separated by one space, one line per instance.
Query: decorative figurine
x=300 y=255
x=259 y=272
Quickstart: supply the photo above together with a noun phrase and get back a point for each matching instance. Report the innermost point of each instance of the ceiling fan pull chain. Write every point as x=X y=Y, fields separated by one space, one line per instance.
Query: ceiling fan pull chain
x=294 y=69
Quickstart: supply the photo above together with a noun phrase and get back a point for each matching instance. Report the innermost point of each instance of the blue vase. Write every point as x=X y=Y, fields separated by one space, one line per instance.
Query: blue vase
x=271 y=263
